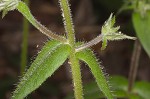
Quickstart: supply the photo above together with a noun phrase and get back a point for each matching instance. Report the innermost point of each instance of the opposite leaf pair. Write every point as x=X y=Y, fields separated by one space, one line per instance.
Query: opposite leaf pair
x=51 y=57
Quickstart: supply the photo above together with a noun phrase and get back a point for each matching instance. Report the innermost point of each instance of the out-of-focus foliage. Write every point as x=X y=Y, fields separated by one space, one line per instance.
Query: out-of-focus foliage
x=119 y=85
x=141 y=25
x=141 y=20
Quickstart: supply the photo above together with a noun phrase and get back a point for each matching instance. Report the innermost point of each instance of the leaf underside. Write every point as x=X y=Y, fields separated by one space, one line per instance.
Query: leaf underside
x=51 y=57
x=89 y=58
x=142 y=29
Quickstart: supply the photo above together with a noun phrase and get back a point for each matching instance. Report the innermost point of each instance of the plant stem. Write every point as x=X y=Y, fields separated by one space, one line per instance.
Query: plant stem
x=76 y=75
x=134 y=64
x=24 y=43
x=74 y=62
x=90 y=43
x=22 y=8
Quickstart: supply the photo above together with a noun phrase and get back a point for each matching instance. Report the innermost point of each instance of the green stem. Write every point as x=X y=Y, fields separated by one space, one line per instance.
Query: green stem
x=76 y=75
x=68 y=21
x=74 y=62
x=90 y=43
x=24 y=43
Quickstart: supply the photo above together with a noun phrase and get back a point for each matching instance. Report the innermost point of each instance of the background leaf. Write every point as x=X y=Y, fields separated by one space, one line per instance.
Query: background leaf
x=48 y=61
x=143 y=89
x=119 y=85
x=142 y=29
x=91 y=90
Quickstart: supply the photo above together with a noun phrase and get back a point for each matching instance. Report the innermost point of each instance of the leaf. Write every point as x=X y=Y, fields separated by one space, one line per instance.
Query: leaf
x=104 y=44
x=5 y=86
x=119 y=83
x=89 y=58
x=128 y=5
x=25 y=11
x=47 y=62
x=134 y=96
x=91 y=91
x=142 y=29
x=142 y=89
x=4 y=13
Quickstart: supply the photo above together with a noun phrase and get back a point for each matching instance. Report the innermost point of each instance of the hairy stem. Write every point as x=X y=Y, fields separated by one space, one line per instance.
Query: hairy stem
x=22 y=8
x=76 y=75
x=90 y=43
x=74 y=62
x=134 y=64
x=24 y=43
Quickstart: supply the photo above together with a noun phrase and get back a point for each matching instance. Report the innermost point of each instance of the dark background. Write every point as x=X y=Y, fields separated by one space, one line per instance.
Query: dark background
x=88 y=17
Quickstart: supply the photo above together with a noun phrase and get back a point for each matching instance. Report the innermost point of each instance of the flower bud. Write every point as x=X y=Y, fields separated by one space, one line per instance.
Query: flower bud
x=8 y=5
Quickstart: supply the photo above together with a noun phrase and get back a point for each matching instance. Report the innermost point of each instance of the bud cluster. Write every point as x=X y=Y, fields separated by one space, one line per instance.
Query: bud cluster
x=8 y=5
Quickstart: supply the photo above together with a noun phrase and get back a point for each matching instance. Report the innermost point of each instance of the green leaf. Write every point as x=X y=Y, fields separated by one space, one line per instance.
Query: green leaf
x=134 y=96
x=23 y=8
x=5 y=86
x=142 y=29
x=142 y=7
x=119 y=83
x=91 y=91
x=47 y=62
x=128 y=5
x=4 y=13
x=142 y=89
x=104 y=44
x=89 y=58
x=25 y=11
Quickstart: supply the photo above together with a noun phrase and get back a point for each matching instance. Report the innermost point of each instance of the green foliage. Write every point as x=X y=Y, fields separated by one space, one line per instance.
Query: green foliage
x=23 y=9
x=143 y=89
x=5 y=85
x=89 y=58
x=141 y=20
x=120 y=85
x=55 y=52
x=142 y=30
x=140 y=89
x=47 y=62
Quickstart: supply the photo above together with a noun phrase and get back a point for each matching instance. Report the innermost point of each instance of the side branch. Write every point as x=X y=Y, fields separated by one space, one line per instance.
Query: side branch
x=90 y=43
